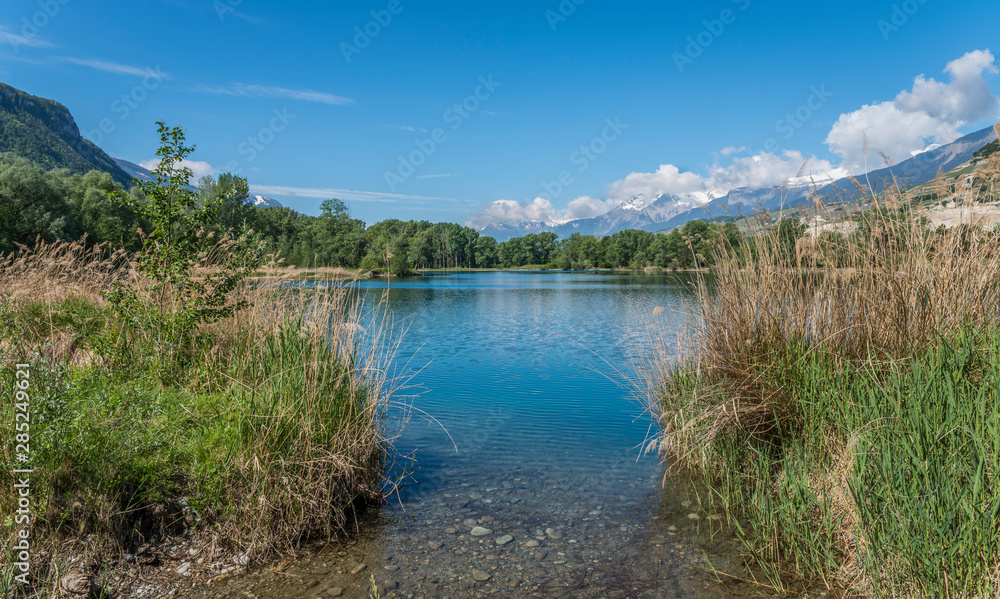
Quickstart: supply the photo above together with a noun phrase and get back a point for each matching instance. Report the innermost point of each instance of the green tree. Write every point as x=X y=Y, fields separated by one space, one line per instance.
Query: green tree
x=104 y=220
x=486 y=252
x=236 y=211
x=578 y=252
x=179 y=242
x=339 y=239
x=31 y=206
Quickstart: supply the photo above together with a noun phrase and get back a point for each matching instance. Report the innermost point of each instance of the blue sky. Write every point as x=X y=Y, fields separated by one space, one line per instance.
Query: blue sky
x=479 y=112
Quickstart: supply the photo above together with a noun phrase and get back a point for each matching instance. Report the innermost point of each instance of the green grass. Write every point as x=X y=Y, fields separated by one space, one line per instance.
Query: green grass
x=893 y=465
x=848 y=416
x=267 y=436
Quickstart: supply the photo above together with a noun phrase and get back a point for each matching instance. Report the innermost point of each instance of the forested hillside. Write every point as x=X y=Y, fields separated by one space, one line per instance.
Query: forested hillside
x=44 y=132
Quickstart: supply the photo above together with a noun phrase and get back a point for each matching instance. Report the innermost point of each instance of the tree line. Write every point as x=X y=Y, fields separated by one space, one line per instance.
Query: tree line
x=59 y=205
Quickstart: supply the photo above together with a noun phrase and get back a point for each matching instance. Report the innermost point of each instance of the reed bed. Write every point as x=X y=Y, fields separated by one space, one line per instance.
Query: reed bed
x=267 y=434
x=842 y=394
x=54 y=271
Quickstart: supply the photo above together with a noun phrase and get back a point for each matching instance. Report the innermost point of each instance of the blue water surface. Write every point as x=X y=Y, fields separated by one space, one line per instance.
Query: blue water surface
x=524 y=375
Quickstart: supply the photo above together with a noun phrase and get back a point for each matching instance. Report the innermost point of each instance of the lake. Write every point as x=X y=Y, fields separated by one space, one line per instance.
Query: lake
x=518 y=446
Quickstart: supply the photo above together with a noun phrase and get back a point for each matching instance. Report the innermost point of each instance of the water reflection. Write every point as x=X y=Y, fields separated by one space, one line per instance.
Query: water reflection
x=522 y=457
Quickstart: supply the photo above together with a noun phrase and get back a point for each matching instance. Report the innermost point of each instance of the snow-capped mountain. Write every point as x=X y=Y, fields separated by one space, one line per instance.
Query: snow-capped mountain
x=667 y=212
x=637 y=203
x=639 y=212
x=265 y=202
x=636 y=213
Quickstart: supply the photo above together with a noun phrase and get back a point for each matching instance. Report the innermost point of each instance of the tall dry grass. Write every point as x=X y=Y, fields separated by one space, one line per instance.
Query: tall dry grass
x=271 y=432
x=51 y=272
x=309 y=370
x=883 y=293
x=838 y=392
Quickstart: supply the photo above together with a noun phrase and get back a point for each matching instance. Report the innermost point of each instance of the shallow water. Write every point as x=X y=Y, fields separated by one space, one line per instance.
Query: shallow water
x=522 y=423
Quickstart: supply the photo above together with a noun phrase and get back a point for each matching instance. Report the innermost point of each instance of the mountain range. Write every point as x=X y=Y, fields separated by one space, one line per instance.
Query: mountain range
x=668 y=211
x=45 y=132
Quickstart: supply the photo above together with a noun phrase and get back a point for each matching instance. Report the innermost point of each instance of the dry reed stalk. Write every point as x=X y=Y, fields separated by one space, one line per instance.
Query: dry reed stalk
x=877 y=296
x=881 y=296
x=282 y=490
x=51 y=272
x=335 y=341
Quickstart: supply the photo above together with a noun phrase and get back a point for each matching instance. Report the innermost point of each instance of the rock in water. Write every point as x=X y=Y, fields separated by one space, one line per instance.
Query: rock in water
x=479 y=531
x=480 y=576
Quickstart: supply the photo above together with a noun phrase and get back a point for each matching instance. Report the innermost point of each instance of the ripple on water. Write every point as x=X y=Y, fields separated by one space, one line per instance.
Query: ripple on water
x=529 y=481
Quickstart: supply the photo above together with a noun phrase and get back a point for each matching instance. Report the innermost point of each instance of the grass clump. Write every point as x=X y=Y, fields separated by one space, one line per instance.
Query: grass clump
x=267 y=434
x=172 y=397
x=842 y=393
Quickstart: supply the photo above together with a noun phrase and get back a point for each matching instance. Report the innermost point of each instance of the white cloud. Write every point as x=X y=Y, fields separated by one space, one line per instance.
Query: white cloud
x=587 y=207
x=14 y=39
x=510 y=211
x=343 y=194
x=198 y=168
x=538 y=210
x=766 y=170
x=930 y=113
x=270 y=91
x=760 y=170
x=966 y=98
x=667 y=179
x=118 y=69
x=406 y=128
